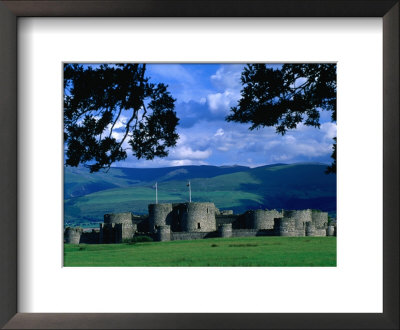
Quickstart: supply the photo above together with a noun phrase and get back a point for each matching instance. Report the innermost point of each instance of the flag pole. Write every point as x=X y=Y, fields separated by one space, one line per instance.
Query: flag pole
x=156 y=194
x=190 y=193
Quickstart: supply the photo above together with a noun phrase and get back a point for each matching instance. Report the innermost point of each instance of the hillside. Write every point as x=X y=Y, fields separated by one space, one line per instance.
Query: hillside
x=296 y=186
x=79 y=182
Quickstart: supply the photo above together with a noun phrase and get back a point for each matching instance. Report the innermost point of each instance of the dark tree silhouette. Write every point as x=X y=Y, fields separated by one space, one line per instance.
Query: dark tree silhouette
x=332 y=168
x=285 y=97
x=95 y=102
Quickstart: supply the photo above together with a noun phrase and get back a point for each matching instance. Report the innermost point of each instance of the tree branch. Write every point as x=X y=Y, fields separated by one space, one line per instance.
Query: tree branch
x=112 y=127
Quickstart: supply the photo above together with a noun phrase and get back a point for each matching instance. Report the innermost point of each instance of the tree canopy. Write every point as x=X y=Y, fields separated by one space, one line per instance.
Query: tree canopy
x=108 y=105
x=286 y=96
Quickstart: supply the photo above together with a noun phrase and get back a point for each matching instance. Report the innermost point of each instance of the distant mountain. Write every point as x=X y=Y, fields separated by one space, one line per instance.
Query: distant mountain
x=79 y=182
x=295 y=186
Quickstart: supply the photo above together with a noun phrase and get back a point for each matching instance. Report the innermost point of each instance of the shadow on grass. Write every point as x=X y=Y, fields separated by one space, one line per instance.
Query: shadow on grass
x=242 y=245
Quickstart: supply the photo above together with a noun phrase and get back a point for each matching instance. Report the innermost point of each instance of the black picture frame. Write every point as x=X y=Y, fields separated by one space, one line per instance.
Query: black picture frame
x=389 y=10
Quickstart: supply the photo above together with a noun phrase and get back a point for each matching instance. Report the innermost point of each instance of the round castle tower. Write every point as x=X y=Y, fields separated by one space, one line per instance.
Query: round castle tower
x=159 y=215
x=125 y=218
x=300 y=218
x=225 y=230
x=163 y=233
x=199 y=217
x=285 y=227
x=320 y=219
x=261 y=219
x=299 y=215
x=117 y=227
x=310 y=229
x=72 y=235
x=330 y=231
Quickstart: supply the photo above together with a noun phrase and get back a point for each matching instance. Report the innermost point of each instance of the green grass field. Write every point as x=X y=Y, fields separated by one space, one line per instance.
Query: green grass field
x=243 y=251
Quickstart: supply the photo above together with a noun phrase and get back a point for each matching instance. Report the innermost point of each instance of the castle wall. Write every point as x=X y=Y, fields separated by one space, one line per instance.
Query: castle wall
x=252 y=232
x=164 y=233
x=240 y=222
x=285 y=227
x=225 y=219
x=125 y=217
x=101 y=233
x=320 y=219
x=261 y=219
x=142 y=223
x=199 y=217
x=186 y=221
x=180 y=236
x=117 y=227
x=320 y=232
x=90 y=237
x=299 y=215
x=300 y=227
x=225 y=230
x=178 y=211
x=72 y=235
x=128 y=230
x=107 y=233
x=159 y=215
x=300 y=218
x=310 y=229
x=176 y=236
x=124 y=231
x=117 y=233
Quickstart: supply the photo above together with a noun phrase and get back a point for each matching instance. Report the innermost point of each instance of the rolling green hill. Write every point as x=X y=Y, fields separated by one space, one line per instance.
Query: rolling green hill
x=296 y=186
x=79 y=182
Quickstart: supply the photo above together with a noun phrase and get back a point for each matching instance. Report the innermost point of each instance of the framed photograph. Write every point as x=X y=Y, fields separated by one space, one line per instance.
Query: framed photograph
x=206 y=93
x=176 y=174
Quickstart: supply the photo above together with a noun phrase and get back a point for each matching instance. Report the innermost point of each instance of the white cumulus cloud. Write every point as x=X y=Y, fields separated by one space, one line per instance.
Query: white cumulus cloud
x=329 y=129
x=228 y=76
x=221 y=102
x=185 y=152
x=227 y=81
x=219 y=132
x=185 y=162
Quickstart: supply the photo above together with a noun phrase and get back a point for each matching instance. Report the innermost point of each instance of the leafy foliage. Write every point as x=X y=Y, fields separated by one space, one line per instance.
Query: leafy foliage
x=332 y=168
x=138 y=239
x=285 y=97
x=111 y=104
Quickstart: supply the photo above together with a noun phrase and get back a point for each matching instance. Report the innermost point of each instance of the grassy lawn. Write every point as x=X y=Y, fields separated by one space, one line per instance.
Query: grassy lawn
x=243 y=251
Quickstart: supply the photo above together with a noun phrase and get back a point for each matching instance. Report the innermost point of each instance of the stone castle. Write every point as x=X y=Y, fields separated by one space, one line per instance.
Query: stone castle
x=186 y=221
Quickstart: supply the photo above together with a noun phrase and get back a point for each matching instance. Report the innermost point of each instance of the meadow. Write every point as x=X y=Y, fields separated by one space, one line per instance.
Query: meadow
x=217 y=252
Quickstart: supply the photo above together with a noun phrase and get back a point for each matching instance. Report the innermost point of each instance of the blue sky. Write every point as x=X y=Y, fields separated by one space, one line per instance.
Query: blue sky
x=204 y=94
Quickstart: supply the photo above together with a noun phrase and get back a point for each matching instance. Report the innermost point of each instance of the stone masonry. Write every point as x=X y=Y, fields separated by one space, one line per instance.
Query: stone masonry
x=178 y=221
